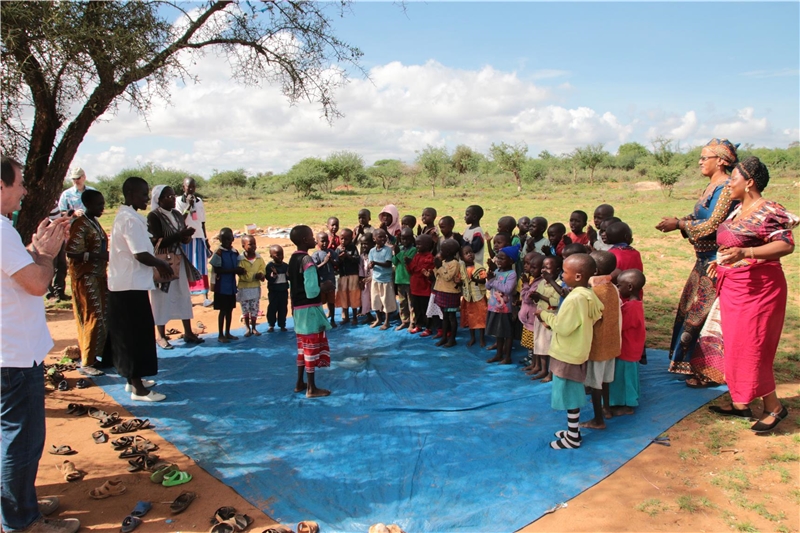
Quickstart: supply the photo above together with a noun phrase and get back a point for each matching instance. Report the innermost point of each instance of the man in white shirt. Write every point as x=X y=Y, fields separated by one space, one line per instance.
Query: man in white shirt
x=198 y=250
x=24 y=277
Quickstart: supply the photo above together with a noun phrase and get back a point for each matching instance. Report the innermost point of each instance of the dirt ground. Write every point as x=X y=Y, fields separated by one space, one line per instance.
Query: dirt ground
x=715 y=476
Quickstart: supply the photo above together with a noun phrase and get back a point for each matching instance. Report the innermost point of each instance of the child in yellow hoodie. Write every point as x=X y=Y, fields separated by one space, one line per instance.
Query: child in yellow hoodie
x=569 y=348
x=249 y=293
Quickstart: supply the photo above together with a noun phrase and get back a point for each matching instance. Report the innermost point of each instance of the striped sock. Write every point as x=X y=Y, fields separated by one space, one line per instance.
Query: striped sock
x=572 y=437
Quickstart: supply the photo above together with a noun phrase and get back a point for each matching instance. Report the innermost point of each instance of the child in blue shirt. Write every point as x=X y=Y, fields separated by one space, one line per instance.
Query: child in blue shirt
x=382 y=288
x=226 y=266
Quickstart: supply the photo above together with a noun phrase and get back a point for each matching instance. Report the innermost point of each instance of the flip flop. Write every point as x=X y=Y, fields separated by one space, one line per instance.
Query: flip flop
x=143 y=462
x=69 y=471
x=182 y=502
x=112 y=487
x=307 y=526
x=126 y=427
x=144 y=444
x=129 y=523
x=77 y=409
x=175 y=478
x=61 y=450
x=96 y=413
x=83 y=383
x=158 y=475
x=222 y=527
x=240 y=522
x=111 y=420
x=122 y=443
x=173 y=331
x=223 y=514
x=141 y=509
x=99 y=437
x=63 y=385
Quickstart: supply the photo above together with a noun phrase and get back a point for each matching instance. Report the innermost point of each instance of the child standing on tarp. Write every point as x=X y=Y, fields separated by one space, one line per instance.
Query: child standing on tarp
x=310 y=323
x=277 y=289
x=624 y=390
x=249 y=294
x=569 y=348
x=225 y=262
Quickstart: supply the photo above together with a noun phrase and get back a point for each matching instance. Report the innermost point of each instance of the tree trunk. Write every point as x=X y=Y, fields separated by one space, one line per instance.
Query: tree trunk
x=591 y=176
x=518 y=179
x=433 y=188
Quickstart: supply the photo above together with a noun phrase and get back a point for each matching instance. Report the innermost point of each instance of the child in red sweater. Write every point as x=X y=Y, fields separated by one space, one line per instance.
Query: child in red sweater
x=624 y=390
x=420 y=267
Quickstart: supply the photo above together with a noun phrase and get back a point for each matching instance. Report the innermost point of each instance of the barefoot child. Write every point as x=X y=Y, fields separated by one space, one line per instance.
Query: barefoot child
x=404 y=251
x=501 y=284
x=382 y=288
x=420 y=284
x=547 y=298
x=277 y=289
x=531 y=279
x=348 y=293
x=333 y=228
x=365 y=243
x=624 y=390
x=326 y=258
x=605 y=339
x=225 y=262
x=473 y=292
x=498 y=242
x=310 y=323
x=249 y=294
x=569 y=349
x=448 y=290
x=473 y=235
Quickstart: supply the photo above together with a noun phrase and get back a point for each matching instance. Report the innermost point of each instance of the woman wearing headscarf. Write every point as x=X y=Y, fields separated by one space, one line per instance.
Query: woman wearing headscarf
x=390 y=222
x=752 y=293
x=703 y=363
x=87 y=255
x=171 y=300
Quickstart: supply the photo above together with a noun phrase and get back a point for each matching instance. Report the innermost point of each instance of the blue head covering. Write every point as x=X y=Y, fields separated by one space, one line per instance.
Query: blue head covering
x=512 y=252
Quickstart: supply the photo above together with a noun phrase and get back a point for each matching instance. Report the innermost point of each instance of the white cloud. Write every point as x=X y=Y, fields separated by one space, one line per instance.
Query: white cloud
x=744 y=125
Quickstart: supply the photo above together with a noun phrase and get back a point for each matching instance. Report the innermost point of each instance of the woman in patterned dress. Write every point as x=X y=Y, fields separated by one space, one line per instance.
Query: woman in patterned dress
x=87 y=253
x=752 y=293
x=703 y=364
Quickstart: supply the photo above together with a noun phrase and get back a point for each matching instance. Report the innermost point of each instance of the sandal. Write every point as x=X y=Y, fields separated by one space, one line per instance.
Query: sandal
x=144 y=444
x=129 y=523
x=111 y=420
x=112 y=487
x=193 y=339
x=694 y=382
x=222 y=527
x=173 y=331
x=159 y=473
x=70 y=472
x=223 y=514
x=77 y=409
x=164 y=343
x=96 y=413
x=177 y=477
x=63 y=385
x=141 y=509
x=239 y=522
x=182 y=502
x=61 y=450
x=122 y=443
x=99 y=437
x=142 y=462
x=83 y=383
x=308 y=526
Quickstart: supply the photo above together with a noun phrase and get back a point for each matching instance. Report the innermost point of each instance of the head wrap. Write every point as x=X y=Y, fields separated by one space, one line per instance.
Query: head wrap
x=155 y=196
x=512 y=252
x=723 y=149
x=753 y=169
x=394 y=227
x=76 y=173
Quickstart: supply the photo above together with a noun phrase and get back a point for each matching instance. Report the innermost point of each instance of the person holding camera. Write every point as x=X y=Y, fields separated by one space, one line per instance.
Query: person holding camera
x=197 y=249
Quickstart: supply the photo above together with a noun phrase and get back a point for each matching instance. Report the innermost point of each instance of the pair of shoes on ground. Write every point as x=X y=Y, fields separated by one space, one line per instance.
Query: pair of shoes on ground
x=151 y=396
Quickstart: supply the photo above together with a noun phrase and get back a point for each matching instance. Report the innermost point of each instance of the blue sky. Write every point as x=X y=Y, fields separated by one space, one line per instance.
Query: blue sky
x=553 y=75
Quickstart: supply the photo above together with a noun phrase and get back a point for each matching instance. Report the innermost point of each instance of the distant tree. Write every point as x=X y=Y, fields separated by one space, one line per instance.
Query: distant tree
x=510 y=158
x=228 y=178
x=544 y=154
x=629 y=154
x=435 y=163
x=345 y=166
x=465 y=159
x=664 y=150
x=590 y=156
x=66 y=64
x=308 y=176
x=667 y=170
x=389 y=171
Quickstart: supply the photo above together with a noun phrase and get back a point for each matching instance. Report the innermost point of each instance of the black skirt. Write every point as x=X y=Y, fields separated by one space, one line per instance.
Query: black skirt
x=499 y=325
x=132 y=333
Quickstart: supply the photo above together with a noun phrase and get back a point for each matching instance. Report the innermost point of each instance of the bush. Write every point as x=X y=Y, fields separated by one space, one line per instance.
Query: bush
x=308 y=176
x=534 y=170
x=667 y=177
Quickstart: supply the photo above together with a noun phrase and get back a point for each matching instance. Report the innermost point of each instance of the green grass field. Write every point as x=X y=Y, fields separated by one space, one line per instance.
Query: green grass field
x=667 y=258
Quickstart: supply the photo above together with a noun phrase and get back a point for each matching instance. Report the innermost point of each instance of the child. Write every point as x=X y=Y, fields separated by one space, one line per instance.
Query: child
x=505 y=225
x=546 y=298
x=348 y=293
x=408 y=221
x=249 y=294
x=382 y=289
x=473 y=235
x=364 y=218
x=619 y=236
x=537 y=241
x=420 y=284
x=523 y=226
x=501 y=285
x=555 y=234
x=366 y=244
x=577 y=223
x=428 y=218
x=277 y=289
x=226 y=266
x=333 y=228
x=602 y=213
x=569 y=348
x=601 y=243
x=325 y=259
x=605 y=339
x=310 y=323
x=532 y=277
x=403 y=252
x=448 y=289
x=473 y=291
x=624 y=390
x=446 y=225
x=390 y=223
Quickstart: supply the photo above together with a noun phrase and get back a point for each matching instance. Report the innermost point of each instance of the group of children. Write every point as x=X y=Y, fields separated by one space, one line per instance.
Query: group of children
x=573 y=298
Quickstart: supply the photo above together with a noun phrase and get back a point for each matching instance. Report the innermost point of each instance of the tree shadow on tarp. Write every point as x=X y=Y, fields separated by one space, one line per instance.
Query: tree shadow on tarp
x=428 y=438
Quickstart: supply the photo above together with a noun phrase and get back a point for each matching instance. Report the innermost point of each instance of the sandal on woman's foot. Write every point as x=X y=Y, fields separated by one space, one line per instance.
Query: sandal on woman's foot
x=164 y=343
x=695 y=382
x=112 y=487
x=741 y=413
x=193 y=339
x=760 y=427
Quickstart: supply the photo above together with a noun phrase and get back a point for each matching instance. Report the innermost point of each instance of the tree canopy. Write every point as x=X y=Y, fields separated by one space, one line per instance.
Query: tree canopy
x=65 y=64
x=511 y=158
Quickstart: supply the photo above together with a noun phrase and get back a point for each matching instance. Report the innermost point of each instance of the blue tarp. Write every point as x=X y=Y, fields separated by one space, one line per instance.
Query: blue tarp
x=434 y=440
